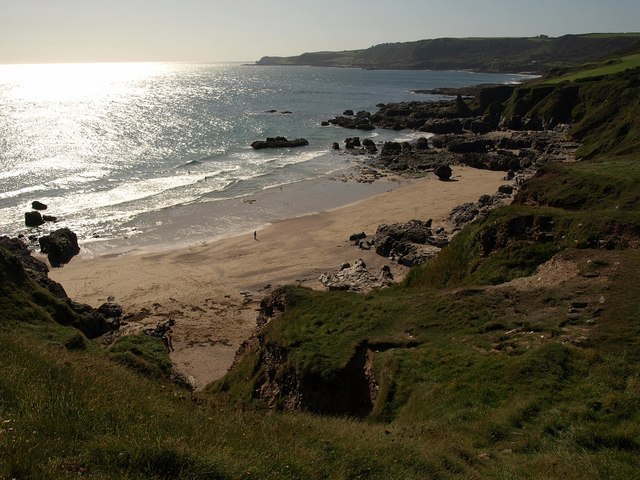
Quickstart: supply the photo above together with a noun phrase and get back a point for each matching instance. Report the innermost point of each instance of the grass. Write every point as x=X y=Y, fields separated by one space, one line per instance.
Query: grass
x=608 y=67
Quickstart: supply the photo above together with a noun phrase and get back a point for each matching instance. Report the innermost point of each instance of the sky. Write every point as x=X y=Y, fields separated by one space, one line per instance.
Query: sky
x=52 y=31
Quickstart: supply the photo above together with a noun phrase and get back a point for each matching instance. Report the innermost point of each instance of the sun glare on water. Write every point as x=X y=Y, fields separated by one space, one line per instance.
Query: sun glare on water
x=61 y=83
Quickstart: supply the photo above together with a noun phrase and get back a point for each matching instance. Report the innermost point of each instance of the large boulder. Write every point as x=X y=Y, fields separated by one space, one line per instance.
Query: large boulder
x=279 y=142
x=60 y=246
x=36 y=205
x=443 y=172
x=33 y=219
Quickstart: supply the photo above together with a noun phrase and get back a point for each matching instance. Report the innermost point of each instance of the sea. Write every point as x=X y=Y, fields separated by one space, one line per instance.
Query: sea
x=113 y=149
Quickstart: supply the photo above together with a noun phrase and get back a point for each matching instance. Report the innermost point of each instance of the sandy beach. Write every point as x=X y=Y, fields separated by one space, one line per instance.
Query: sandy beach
x=212 y=288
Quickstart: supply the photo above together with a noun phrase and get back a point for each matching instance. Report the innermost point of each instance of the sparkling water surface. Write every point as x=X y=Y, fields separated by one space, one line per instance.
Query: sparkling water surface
x=103 y=144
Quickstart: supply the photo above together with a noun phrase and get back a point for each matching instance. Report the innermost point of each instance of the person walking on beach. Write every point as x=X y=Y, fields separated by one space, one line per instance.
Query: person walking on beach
x=169 y=337
x=255 y=235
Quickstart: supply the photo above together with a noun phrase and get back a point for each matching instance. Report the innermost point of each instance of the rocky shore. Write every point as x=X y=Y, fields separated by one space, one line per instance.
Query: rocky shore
x=473 y=132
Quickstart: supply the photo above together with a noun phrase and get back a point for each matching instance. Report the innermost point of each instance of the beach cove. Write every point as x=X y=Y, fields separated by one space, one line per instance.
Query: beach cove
x=212 y=288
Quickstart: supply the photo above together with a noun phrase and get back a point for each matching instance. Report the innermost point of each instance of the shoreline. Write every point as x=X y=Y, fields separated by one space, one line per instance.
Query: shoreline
x=204 y=221
x=212 y=288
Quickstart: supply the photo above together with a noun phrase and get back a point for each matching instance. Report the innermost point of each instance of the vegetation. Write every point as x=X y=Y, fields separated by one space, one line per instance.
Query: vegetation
x=534 y=54
x=479 y=372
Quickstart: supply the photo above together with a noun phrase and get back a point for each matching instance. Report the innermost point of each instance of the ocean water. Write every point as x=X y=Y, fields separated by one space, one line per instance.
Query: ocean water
x=105 y=145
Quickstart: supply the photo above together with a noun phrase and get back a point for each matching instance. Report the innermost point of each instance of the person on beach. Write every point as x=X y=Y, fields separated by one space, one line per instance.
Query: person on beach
x=255 y=235
x=169 y=337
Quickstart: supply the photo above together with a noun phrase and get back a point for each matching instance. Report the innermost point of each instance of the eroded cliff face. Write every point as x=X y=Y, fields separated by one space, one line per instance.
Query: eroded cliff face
x=349 y=391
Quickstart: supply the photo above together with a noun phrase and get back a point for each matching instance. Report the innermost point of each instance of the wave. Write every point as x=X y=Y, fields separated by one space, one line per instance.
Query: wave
x=22 y=191
x=190 y=164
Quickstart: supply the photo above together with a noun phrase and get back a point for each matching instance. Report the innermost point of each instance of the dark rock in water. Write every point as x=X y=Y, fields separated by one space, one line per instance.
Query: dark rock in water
x=336 y=146
x=369 y=145
x=33 y=219
x=110 y=310
x=365 y=126
x=286 y=112
x=324 y=123
x=443 y=172
x=348 y=113
x=38 y=205
x=352 y=142
x=60 y=246
x=279 y=142
x=49 y=218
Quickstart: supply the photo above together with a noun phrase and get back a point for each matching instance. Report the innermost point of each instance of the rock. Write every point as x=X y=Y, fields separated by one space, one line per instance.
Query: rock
x=110 y=310
x=462 y=145
x=443 y=172
x=506 y=189
x=49 y=218
x=351 y=142
x=33 y=219
x=38 y=205
x=279 y=142
x=286 y=112
x=35 y=268
x=364 y=245
x=365 y=126
x=357 y=236
x=422 y=143
x=60 y=246
x=271 y=111
x=369 y=145
x=442 y=126
x=385 y=272
x=395 y=238
x=325 y=123
x=391 y=148
x=355 y=277
x=348 y=113
x=336 y=146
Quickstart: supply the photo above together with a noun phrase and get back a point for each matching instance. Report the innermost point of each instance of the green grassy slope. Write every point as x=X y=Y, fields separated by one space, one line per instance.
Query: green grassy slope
x=475 y=378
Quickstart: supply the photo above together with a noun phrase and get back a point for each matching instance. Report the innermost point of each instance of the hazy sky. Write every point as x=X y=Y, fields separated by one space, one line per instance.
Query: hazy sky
x=245 y=30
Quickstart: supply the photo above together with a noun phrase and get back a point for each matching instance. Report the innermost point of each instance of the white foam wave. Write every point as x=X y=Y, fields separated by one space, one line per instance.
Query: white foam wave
x=21 y=191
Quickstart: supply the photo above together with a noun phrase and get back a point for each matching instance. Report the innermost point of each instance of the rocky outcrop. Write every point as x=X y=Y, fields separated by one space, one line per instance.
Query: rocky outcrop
x=359 y=121
x=356 y=278
x=464 y=214
x=88 y=320
x=279 y=142
x=60 y=246
x=409 y=243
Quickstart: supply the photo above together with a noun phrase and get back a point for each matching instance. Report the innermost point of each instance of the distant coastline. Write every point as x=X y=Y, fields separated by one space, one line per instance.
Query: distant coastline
x=529 y=55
